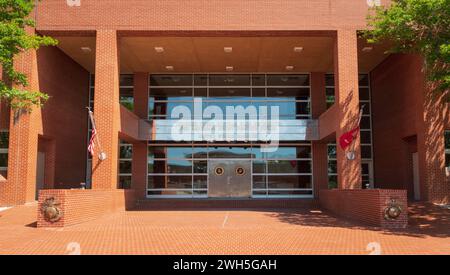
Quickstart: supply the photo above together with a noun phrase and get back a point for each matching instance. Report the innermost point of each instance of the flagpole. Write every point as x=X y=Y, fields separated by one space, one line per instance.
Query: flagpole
x=102 y=155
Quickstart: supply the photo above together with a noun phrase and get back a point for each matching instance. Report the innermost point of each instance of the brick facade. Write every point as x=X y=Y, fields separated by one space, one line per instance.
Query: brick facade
x=406 y=119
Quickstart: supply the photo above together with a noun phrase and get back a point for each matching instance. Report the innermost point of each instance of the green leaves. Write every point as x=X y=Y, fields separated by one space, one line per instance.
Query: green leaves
x=14 y=39
x=417 y=26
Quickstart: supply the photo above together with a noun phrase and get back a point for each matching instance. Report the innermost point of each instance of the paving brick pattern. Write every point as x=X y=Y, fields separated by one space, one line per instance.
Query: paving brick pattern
x=269 y=231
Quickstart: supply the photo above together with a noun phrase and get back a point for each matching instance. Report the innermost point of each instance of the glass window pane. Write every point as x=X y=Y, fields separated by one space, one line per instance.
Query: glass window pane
x=124 y=182
x=332 y=167
x=289 y=166
x=330 y=92
x=125 y=167
x=366 y=137
x=200 y=182
x=229 y=92
x=229 y=80
x=200 y=80
x=230 y=152
x=366 y=152
x=4 y=140
x=126 y=80
x=258 y=80
x=170 y=80
x=363 y=80
x=259 y=182
x=364 y=94
x=126 y=152
x=201 y=166
x=259 y=166
x=3 y=160
x=332 y=151
x=447 y=139
x=332 y=182
x=288 y=80
x=289 y=182
x=365 y=122
x=175 y=182
x=329 y=79
x=283 y=93
x=165 y=93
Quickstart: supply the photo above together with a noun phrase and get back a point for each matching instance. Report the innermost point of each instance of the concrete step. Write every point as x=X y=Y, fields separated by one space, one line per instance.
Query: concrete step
x=212 y=203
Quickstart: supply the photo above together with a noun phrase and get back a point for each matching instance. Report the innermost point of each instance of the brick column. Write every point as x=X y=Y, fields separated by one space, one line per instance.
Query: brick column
x=139 y=177
x=432 y=122
x=107 y=109
x=347 y=100
x=319 y=148
x=20 y=185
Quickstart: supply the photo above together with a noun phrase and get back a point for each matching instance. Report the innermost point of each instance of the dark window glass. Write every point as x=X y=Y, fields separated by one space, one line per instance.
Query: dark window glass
x=125 y=167
x=126 y=152
x=288 y=80
x=258 y=93
x=364 y=94
x=366 y=152
x=363 y=80
x=283 y=93
x=258 y=80
x=259 y=166
x=3 y=160
x=4 y=140
x=165 y=93
x=229 y=92
x=200 y=80
x=330 y=92
x=201 y=92
x=124 y=182
x=332 y=182
x=230 y=152
x=259 y=182
x=126 y=80
x=329 y=80
x=366 y=137
x=332 y=167
x=201 y=166
x=175 y=182
x=447 y=139
x=332 y=151
x=365 y=122
x=170 y=80
x=229 y=80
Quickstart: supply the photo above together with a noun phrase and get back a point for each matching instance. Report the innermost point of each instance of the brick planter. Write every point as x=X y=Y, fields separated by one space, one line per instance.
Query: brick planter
x=79 y=206
x=366 y=205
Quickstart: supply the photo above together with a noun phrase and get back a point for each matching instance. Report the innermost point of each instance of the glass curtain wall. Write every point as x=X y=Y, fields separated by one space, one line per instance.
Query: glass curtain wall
x=182 y=169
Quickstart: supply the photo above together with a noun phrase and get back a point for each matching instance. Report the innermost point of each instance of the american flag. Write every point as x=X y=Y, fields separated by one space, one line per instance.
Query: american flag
x=92 y=142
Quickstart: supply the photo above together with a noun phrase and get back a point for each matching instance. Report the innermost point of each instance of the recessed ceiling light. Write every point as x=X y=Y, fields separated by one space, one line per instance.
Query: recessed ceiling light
x=228 y=49
x=289 y=68
x=367 y=49
x=279 y=92
x=183 y=91
x=169 y=68
x=231 y=91
x=159 y=49
x=298 y=49
x=229 y=68
x=86 y=49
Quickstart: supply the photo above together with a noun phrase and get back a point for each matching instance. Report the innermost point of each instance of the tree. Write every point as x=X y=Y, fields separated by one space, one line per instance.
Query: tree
x=14 y=39
x=417 y=26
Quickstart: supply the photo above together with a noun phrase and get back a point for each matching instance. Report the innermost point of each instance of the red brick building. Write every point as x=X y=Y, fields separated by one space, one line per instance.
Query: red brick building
x=134 y=61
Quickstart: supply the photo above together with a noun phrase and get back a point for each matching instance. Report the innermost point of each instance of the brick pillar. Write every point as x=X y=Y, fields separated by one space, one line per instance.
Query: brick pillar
x=347 y=100
x=139 y=177
x=432 y=122
x=319 y=148
x=107 y=109
x=20 y=185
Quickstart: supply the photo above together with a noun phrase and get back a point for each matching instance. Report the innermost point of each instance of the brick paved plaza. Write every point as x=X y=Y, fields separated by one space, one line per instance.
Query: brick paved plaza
x=285 y=231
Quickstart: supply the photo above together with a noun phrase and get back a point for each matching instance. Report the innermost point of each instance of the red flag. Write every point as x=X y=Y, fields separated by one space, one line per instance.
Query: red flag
x=347 y=138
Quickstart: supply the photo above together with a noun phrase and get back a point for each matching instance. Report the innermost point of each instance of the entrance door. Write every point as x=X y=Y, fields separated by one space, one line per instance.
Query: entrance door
x=367 y=174
x=415 y=159
x=40 y=173
x=229 y=178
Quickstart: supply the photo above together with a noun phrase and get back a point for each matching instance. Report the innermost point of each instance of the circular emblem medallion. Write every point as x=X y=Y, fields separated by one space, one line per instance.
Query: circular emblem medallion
x=219 y=171
x=50 y=210
x=240 y=171
x=392 y=211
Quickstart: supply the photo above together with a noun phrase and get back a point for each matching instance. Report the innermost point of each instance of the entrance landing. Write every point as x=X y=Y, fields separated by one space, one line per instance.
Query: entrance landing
x=258 y=231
